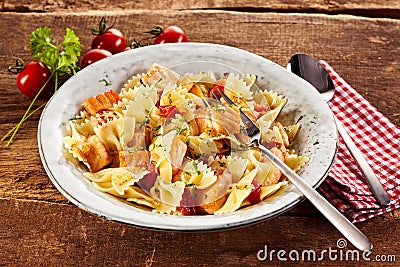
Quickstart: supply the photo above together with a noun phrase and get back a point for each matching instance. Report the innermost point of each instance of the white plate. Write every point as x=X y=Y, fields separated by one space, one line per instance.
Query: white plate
x=317 y=138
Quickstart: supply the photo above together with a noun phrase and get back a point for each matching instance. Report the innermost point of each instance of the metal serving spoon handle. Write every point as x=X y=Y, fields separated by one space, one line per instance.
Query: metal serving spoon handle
x=312 y=71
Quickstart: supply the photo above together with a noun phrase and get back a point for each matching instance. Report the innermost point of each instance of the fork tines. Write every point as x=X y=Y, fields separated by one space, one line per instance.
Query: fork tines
x=251 y=128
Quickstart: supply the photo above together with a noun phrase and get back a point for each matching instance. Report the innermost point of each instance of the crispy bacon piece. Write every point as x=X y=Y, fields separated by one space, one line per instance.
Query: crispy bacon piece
x=96 y=154
x=101 y=102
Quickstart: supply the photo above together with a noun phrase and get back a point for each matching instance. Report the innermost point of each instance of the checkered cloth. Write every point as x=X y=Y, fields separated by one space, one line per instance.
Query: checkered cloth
x=378 y=140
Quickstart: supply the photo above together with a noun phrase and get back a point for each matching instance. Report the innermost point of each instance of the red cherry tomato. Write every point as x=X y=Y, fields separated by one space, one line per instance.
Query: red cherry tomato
x=94 y=55
x=255 y=194
x=111 y=40
x=218 y=85
x=32 y=78
x=187 y=211
x=171 y=34
x=166 y=110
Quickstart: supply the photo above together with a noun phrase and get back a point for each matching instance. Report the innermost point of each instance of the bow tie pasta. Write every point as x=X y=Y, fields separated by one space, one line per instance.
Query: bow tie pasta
x=171 y=144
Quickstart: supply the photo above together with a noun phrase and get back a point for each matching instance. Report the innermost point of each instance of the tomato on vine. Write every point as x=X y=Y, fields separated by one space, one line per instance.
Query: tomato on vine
x=51 y=62
x=171 y=34
x=94 y=55
x=108 y=38
x=32 y=78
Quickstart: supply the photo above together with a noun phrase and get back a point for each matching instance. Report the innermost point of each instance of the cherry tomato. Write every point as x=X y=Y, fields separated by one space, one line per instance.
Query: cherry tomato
x=187 y=211
x=171 y=34
x=218 y=85
x=111 y=40
x=166 y=110
x=255 y=194
x=32 y=78
x=94 y=55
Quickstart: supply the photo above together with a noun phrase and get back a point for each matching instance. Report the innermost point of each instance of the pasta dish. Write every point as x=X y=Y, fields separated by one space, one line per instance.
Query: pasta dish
x=169 y=143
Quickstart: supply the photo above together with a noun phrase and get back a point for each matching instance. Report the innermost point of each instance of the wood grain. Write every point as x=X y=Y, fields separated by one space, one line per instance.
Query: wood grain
x=371 y=8
x=77 y=238
x=38 y=226
x=353 y=53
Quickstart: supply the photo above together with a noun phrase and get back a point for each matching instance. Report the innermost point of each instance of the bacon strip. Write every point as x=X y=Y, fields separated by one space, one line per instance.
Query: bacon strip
x=96 y=154
x=101 y=102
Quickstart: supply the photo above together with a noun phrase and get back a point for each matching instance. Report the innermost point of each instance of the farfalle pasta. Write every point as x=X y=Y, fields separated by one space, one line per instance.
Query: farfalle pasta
x=168 y=143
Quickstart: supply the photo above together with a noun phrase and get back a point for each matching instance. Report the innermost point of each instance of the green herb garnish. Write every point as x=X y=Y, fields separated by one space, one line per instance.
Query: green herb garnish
x=196 y=167
x=157 y=128
x=144 y=123
x=221 y=163
x=170 y=99
x=180 y=130
x=159 y=80
x=79 y=118
x=61 y=60
x=107 y=83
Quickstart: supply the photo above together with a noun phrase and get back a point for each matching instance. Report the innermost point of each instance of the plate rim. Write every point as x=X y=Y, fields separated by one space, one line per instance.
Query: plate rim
x=159 y=226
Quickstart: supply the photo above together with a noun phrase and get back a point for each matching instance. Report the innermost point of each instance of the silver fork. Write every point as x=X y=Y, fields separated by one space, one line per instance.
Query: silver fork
x=352 y=233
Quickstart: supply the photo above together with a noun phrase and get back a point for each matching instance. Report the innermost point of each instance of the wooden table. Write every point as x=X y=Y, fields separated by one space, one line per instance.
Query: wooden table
x=38 y=226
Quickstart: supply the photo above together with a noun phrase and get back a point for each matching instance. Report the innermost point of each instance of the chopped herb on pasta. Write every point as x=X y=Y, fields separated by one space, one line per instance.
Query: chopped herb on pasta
x=158 y=145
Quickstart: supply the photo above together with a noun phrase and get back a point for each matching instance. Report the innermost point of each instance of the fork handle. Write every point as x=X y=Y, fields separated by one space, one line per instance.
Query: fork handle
x=372 y=180
x=352 y=233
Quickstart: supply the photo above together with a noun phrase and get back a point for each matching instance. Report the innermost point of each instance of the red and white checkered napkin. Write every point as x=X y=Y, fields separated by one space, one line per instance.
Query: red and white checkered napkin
x=378 y=140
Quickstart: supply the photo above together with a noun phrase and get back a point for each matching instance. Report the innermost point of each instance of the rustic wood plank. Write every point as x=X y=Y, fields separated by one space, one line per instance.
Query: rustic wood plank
x=38 y=225
x=371 y=8
x=356 y=48
x=63 y=235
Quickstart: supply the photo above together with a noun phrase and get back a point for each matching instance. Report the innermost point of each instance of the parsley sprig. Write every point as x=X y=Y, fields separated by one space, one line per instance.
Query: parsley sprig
x=61 y=60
